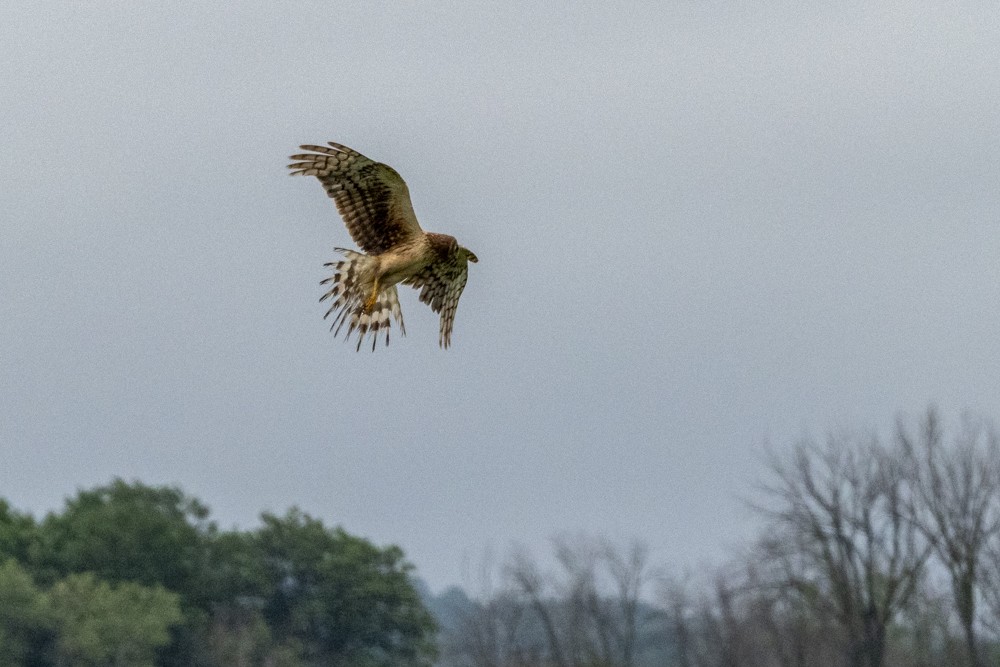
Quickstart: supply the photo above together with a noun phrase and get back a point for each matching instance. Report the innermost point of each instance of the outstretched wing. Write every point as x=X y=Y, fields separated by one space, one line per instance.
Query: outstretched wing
x=372 y=198
x=441 y=284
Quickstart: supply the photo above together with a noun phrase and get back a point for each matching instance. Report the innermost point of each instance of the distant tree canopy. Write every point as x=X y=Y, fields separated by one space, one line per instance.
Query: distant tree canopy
x=338 y=593
x=130 y=532
x=129 y=574
x=16 y=533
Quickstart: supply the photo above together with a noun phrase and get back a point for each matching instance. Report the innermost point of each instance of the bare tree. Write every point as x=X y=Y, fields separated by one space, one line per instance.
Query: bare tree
x=601 y=586
x=749 y=615
x=490 y=635
x=629 y=574
x=590 y=608
x=844 y=506
x=798 y=625
x=957 y=506
x=875 y=555
x=529 y=582
x=677 y=604
x=696 y=626
x=490 y=630
x=587 y=610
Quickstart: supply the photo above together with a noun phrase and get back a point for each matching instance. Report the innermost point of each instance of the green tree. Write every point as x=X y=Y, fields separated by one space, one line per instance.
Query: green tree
x=291 y=592
x=130 y=532
x=101 y=624
x=346 y=601
x=17 y=532
x=24 y=619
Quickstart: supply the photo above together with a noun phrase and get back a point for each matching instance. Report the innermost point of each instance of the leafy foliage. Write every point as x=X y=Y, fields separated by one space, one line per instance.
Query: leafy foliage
x=17 y=532
x=130 y=532
x=129 y=574
x=24 y=619
x=103 y=624
x=339 y=595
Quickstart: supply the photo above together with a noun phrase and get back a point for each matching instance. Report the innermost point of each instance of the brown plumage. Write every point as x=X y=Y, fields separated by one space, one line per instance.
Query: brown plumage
x=375 y=204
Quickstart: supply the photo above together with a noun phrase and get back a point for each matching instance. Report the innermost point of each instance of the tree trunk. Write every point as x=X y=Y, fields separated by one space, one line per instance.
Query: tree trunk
x=966 y=603
x=874 y=639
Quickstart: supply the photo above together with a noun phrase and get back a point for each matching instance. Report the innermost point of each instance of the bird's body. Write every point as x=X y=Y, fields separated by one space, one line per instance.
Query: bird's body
x=375 y=203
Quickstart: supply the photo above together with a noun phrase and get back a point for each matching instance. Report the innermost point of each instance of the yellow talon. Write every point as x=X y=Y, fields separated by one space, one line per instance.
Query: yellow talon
x=370 y=303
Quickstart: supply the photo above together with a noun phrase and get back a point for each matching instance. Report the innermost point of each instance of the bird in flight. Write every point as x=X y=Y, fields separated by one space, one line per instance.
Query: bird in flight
x=375 y=204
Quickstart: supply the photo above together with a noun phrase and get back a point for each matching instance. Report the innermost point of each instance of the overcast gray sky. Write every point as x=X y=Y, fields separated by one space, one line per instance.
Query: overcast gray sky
x=702 y=227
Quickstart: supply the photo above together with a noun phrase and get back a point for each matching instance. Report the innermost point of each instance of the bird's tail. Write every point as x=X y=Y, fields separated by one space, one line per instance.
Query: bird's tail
x=350 y=286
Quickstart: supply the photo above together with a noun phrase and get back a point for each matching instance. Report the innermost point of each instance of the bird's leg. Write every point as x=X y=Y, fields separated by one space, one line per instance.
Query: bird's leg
x=370 y=303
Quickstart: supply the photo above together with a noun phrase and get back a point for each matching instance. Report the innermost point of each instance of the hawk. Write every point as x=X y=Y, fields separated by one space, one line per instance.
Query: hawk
x=375 y=204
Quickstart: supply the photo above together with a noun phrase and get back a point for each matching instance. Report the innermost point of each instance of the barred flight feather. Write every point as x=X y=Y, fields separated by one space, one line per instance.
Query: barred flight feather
x=348 y=294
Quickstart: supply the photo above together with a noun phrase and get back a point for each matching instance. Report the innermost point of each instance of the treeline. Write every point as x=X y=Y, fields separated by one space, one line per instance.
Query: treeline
x=128 y=574
x=875 y=552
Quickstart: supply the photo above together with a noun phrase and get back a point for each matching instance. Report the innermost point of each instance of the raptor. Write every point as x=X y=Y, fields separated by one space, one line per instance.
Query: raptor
x=375 y=204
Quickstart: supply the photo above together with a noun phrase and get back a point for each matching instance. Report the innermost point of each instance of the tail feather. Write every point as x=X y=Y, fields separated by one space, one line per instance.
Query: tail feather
x=350 y=286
